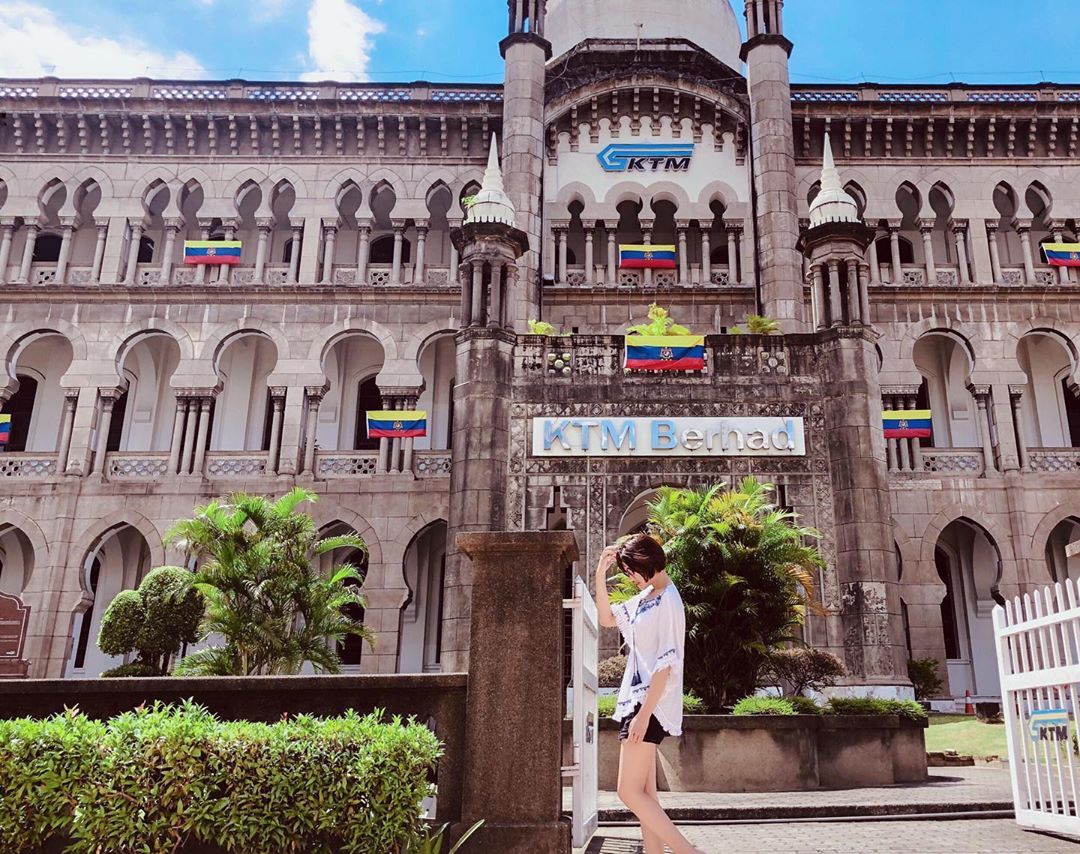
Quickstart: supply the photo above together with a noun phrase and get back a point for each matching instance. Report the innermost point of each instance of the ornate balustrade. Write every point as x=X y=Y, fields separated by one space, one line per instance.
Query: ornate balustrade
x=959 y=462
x=576 y=277
x=432 y=464
x=1054 y=459
x=234 y=464
x=342 y=464
x=27 y=465
x=127 y=465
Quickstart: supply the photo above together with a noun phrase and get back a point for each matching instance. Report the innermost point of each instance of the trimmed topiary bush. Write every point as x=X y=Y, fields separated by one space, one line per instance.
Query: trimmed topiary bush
x=801 y=669
x=805 y=706
x=156 y=779
x=875 y=706
x=925 y=677
x=763 y=706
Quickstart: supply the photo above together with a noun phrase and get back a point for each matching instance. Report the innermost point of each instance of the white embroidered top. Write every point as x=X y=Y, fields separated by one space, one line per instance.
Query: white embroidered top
x=655 y=632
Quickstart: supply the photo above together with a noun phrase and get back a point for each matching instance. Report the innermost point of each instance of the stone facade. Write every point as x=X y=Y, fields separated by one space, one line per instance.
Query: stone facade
x=140 y=387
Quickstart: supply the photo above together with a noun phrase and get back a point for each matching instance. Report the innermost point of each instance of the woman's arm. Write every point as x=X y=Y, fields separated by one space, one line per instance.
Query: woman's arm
x=603 y=603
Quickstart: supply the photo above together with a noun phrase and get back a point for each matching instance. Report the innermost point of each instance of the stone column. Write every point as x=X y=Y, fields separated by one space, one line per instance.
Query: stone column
x=981 y=394
x=894 y=245
x=1059 y=237
x=853 y=302
x=329 y=240
x=314 y=399
x=498 y=271
x=733 y=240
x=172 y=228
x=646 y=232
x=706 y=253
x=864 y=295
x=904 y=445
x=508 y=743
x=363 y=253
x=191 y=424
x=399 y=243
x=455 y=255
x=684 y=265
x=294 y=255
x=818 y=272
x=395 y=443
x=265 y=226
x=995 y=252
x=421 y=250
x=561 y=236
x=465 y=279
x=7 y=234
x=204 y=234
x=916 y=444
x=408 y=403
x=64 y=258
x=310 y=250
x=99 y=253
x=133 y=253
x=590 y=260
x=225 y=270
x=959 y=228
x=28 y=254
x=1016 y=395
x=277 y=402
x=612 y=257
x=836 y=306
x=199 y=465
x=176 y=445
x=292 y=429
x=107 y=398
x=926 y=226
x=888 y=402
x=979 y=250
x=875 y=262
x=71 y=401
x=477 y=316
x=1024 y=230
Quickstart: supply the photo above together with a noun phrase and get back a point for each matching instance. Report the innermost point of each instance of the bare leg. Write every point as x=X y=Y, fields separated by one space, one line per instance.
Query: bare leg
x=653 y=843
x=635 y=762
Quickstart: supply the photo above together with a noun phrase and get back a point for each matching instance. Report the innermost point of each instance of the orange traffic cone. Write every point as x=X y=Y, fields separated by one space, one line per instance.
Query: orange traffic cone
x=969 y=709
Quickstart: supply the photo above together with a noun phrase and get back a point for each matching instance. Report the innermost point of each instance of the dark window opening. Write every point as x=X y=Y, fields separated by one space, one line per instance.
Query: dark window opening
x=146 y=250
x=88 y=616
x=369 y=399
x=450 y=417
x=351 y=648
x=116 y=425
x=1072 y=412
x=922 y=401
x=948 y=606
x=287 y=250
x=884 y=250
x=268 y=422
x=382 y=250
x=47 y=248
x=21 y=410
x=571 y=256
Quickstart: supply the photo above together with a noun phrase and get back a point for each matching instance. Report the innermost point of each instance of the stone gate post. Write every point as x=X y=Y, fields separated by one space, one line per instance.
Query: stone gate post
x=513 y=724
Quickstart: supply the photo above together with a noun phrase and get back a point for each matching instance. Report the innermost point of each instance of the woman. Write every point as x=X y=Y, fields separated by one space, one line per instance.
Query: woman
x=649 y=706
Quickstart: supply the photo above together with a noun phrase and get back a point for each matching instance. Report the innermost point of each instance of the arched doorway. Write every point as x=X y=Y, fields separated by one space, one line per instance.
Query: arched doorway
x=16 y=561
x=420 y=627
x=1062 y=565
x=351 y=648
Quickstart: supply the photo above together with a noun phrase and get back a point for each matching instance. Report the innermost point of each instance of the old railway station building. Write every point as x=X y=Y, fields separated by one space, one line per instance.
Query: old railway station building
x=908 y=276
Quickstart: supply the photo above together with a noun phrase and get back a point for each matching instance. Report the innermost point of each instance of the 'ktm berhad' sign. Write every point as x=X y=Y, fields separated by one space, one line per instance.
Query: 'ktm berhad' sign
x=668 y=437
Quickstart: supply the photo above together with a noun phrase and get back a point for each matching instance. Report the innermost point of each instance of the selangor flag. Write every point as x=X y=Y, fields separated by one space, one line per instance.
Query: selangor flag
x=907 y=424
x=212 y=251
x=5 y=429
x=396 y=424
x=1062 y=254
x=646 y=257
x=665 y=353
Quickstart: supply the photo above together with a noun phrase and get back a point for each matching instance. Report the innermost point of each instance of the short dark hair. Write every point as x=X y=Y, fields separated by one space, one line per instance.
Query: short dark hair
x=642 y=554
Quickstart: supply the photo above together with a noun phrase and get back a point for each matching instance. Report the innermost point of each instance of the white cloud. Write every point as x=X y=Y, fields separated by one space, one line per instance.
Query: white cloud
x=37 y=44
x=340 y=41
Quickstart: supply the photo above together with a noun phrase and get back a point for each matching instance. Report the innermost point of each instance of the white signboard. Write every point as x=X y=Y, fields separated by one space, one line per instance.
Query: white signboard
x=668 y=437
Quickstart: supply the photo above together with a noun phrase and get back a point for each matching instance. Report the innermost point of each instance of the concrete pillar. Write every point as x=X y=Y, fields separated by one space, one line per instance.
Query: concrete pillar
x=508 y=743
x=916 y=444
x=981 y=394
x=133 y=253
x=1063 y=272
x=421 y=250
x=225 y=270
x=959 y=233
x=1016 y=394
x=395 y=443
x=646 y=232
x=864 y=295
x=172 y=228
x=590 y=260
x=309 y=246
x=779 y=263
x=201 y=270
x=399 y=245
x=466 y=281
x=733 y=241
x=684 y=259
x=99 y=253
x=455 y=255
x=291 y=430
x=894 y=245
x=995 y=252
x=314 y=399
x=191 y=421
x=612 y=258
x=979 y=248
x=71 y=401
x=329 y=241
x=277 y=399
x=176 y=445
x=64 y=258
x=875 y=262
x=904 y=444
x=1024 y=230
x=107 y=400
x=477 y=291
x=28 y=254
x=927 y=229
x=498 y=274
x=820 y=305
x=294 y=255
x=261 y=250
x=561 y=238
x=836 y=306
x=199 y=464
x=7 y=233
x=363 y=253
x=706 y=253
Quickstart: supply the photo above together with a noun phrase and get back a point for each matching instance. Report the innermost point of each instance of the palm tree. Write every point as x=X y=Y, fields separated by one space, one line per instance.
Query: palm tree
x=746 y=570
x=273 y=609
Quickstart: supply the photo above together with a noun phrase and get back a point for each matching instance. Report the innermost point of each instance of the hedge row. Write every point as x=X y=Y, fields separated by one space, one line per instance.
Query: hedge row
x=837 y=706
x=156 y=779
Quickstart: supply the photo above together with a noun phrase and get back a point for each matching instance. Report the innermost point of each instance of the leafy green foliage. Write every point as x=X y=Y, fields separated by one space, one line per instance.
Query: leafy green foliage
x=757 y=324
x=746 y=571
x=876 y=706
x=660 y=323
x=805 y=706
x=433 y=843
x=264 y=596
x=802 y=669
x=154 y=621
x=605 y=705
x=763 y=706
x=136 y=669
x=542 y=327
x=155 y=779
x=925 y=676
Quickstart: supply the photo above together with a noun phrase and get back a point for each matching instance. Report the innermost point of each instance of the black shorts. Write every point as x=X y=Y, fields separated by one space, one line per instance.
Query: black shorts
x=653 y=735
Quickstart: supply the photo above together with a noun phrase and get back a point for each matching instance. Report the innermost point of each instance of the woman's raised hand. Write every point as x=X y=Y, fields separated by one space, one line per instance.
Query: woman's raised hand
x=607 y=560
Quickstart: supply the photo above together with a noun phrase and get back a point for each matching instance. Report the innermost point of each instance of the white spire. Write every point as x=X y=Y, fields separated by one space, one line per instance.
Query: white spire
x=491 y=203
x=832 y=204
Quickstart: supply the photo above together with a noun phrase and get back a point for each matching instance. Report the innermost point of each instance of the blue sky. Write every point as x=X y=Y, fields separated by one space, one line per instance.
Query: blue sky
x=931 y=41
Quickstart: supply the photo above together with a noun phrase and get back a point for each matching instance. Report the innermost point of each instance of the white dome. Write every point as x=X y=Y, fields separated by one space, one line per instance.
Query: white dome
x=710 y=24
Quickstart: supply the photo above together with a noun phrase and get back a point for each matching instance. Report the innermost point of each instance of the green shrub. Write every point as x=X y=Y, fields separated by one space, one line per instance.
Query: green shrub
x=801 y=669
x=805 y=706
x=692 y=705
x=925 y=676
x=605 y=705
x=876 y=706
x=763 y=706
x=134 y=669
x=610 y=671
x=154 y=779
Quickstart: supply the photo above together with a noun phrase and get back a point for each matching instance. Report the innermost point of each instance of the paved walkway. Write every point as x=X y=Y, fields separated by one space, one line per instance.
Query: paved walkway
x=892 y=837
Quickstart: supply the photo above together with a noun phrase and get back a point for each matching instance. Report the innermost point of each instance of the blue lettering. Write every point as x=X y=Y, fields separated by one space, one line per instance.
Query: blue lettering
x=553 y=432
x=585 y=427
x=609 y=434
x=663 y=435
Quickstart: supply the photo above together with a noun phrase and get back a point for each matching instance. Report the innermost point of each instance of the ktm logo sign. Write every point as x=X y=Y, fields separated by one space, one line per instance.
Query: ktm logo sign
x=668 y=157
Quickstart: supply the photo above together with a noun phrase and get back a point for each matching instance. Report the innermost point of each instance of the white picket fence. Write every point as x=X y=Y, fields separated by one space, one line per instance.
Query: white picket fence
x=1038 y=649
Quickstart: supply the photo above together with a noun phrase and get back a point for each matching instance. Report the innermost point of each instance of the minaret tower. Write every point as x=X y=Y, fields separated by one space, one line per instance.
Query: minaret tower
x=766 y=53
x=491 y=248
x=526 y=52
x=869 y=633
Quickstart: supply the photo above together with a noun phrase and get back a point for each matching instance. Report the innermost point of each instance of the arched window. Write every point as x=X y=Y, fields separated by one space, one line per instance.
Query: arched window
x=21 y=409
x=116 y=425
x=884 y=250
x=368 y=399
x=382 y=250
x=47 y=248
x=286 y=251
x=948 y=605
x=87 y=620
x=146 y=250
x=351 y=648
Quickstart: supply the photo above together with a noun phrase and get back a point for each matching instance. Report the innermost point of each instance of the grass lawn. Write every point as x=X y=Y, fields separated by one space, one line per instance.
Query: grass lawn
x=966 y=736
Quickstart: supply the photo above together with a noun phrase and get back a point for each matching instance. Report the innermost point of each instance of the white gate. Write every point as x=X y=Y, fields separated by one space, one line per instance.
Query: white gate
x=584 y=684
x=1038 y=648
